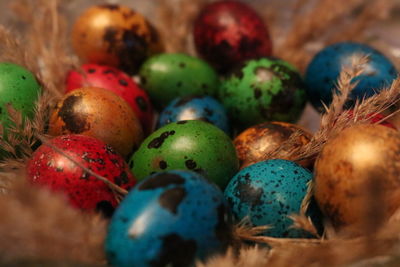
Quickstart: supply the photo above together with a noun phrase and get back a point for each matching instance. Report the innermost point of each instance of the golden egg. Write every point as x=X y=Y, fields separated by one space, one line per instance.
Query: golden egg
x=357 y=176
x=256 y=143
x=98 y=113
x=114 y=35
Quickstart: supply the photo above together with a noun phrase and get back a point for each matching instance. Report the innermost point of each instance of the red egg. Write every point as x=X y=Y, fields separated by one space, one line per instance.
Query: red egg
x=117 y=81
x=48 y=167
x=227 y=33
x=375 y=118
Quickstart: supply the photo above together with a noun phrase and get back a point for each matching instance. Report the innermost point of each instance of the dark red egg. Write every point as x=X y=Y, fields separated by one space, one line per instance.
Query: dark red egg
x=49 y=167
x=117 y=81
x=227 y=33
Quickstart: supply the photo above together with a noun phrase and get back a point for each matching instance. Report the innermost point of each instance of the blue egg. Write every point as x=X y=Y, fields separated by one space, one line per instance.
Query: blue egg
x=203 y=108
x=171 y=218
x=323 y=72
x=267 y=193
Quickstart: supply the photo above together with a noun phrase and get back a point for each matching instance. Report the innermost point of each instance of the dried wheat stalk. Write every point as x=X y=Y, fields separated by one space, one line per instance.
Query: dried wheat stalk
x=327 y=21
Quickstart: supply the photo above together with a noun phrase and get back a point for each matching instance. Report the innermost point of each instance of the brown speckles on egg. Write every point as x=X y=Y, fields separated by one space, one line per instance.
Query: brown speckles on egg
x=123 y=82
x=161 y=180
x=171 y=199
x=190 y=164
x=99 y=113
x=74 y=121
x=125 y=40
x=163 y=165
x=260 y=141
x=158 y=141
x=175 y=251
x=142 y=103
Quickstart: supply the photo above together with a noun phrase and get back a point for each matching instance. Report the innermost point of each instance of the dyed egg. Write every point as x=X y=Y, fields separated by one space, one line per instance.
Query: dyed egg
x=256 y=143
x=188 y=145
x=48 y=167
x=374 y=118
x=358 y=167
x=118 y=82
x=204 y=108
x=167 y=76
x=263 y=90
x=170 y=219
x=267 y=193
x=114 y=35
x=323 y=72
x=227 y=33
x=98 y=113
x=18 y=87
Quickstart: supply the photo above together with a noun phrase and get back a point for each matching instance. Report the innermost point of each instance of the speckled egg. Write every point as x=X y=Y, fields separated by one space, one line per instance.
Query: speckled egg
x=170 y=219
x=168 y=76
x=18 y=87
x=114 y=35
x=267 y=192
x=189 y=145
x=323 y=72
x=48 y=167
x=357 y=177
x=118 y=82
x=263 y=90
x=257 y=143
x=204 y=108
x=98 y=113
x=227 y=33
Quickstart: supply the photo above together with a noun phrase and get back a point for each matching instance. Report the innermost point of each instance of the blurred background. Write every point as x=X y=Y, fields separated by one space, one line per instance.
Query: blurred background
x=382 y=34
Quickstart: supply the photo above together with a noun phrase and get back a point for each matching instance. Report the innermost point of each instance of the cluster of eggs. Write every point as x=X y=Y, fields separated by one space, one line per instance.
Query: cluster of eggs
x=177 y=212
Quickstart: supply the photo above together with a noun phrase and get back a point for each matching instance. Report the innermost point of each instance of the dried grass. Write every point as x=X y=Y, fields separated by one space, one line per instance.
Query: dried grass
x=39 y=225
x=328 y=21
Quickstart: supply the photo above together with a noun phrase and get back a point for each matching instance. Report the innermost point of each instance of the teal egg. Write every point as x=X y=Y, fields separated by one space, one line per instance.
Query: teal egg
x=169 y=219
x=263 y=90
x=168 y=76
x=18 y=87
x=267 y=193
x=187 y=145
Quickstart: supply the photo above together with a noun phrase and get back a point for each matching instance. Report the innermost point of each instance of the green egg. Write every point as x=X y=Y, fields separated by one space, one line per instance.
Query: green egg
x=263 y=90
x=168 y=76
x=18 y=87
x=187 y=145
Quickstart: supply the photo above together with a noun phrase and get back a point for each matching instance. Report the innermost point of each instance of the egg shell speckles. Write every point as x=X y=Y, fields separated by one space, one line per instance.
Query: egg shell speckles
x=323 y=72
x=168 y=76
x=115 y=35
x=98 y=113
x=169 y=218
x=263 y=90
x=50 y=168
x=118 y=82
x=204 y=108
x=256 y=143
x=227 y=33
x=18 y=87
x=189 y=145
x=267 y=192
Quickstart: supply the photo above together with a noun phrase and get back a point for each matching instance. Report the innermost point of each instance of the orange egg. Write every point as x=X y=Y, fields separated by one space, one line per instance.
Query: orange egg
x=114 y=35
x=256 y=143
x=357 y=177
x=98 y=113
